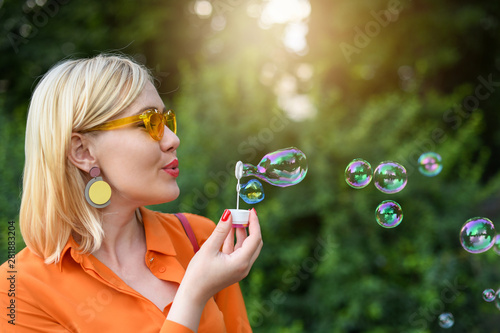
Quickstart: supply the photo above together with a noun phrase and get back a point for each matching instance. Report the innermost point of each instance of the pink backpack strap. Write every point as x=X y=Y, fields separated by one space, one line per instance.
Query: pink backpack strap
x=189 y=231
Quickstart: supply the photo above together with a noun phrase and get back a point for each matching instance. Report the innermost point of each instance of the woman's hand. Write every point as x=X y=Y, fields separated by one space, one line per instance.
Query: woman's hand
x=212 y=270
x=219 y=269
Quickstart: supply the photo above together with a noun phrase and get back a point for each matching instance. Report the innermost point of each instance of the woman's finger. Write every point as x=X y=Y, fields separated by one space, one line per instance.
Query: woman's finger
x=252 y=243
x=255 y=231
x=220 y=233
x=253 y=223
x=241 y=235
x=256 y=253
x=228 y=246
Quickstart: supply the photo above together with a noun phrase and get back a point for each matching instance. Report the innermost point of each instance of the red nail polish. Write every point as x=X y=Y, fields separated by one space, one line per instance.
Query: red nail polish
x=253 y=209
x=226 y=214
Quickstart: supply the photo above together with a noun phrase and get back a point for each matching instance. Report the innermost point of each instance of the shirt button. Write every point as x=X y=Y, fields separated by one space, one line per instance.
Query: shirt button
x=161 y=269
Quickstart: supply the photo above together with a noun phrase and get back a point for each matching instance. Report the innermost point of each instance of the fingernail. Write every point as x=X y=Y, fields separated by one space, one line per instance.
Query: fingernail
x=226 y=214
x=253 y=209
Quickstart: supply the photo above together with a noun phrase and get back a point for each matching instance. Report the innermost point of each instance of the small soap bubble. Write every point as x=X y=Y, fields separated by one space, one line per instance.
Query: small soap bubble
x=358 y=173
x=284 y=167
x=252 y=192
x=496 y=245
x=429 y=164
x=489 y=295
x=477 y=235
x=446 y=320
x=390 y=177
x=497 y=299
x=389 y=214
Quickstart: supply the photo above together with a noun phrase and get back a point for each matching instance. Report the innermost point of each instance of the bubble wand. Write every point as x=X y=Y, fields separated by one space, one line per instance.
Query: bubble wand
x=240 y=216
x=238 y=172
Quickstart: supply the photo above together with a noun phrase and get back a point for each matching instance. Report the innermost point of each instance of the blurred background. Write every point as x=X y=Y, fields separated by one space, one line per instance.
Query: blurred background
x=338 y=79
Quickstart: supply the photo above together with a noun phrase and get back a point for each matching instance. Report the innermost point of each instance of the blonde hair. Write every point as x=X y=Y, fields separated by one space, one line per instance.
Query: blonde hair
x=73 y=96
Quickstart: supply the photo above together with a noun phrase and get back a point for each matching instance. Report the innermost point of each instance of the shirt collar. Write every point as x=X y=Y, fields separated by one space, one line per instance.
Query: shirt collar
x=70 y=247
x=157 y=237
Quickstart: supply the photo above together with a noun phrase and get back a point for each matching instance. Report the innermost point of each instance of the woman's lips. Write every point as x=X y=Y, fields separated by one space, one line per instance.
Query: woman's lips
x=172 y=168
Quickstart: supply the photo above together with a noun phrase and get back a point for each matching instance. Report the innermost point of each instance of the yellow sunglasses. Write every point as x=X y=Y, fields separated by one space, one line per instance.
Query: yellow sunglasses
x=154 y=121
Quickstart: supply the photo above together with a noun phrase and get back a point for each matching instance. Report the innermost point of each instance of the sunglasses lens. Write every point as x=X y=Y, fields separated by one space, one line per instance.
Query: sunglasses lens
x=171 y=122
x=156 y=126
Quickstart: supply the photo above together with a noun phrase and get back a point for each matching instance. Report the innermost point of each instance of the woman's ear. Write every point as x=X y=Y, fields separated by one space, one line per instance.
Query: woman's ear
x=80 y=152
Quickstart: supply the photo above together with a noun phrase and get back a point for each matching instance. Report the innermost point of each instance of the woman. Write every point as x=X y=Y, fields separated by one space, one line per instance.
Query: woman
x=100 y=145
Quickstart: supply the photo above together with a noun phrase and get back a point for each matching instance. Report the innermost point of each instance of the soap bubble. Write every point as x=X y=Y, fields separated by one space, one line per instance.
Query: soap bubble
x=489 y=295
x=446 y=320
x=389 y=214
x=429 y=164
x=284 y=167
x=477 y=235
x=496 y=245
x=252 y=192
x=390 y=177
x=497 y=299
x=358 y=173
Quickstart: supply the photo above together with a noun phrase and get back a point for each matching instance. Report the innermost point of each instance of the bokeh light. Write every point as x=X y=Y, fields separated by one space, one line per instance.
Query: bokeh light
x=284 y=11
x=203 y=8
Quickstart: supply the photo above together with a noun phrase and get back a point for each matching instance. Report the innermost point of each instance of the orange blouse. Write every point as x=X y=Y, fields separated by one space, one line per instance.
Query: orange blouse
x=81 y=294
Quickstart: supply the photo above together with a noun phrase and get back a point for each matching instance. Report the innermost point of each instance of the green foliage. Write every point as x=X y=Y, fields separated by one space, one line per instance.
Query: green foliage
x=427 y=81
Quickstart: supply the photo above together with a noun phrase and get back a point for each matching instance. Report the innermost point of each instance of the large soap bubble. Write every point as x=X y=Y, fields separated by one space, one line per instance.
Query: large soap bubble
x=446 y=320
x=489 y=295
x=390 y=177
x=429 y=164
x=496 y=245
x=358 y=173
x=252 y=192
x=284 y=167
x=389 y=214
x=477 y=235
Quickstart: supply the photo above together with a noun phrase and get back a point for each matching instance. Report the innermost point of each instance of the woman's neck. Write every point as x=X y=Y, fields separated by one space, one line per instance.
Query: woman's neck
x=123 y=234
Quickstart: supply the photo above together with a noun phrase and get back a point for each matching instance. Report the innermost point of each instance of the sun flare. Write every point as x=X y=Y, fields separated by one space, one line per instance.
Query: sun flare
x=285 y=11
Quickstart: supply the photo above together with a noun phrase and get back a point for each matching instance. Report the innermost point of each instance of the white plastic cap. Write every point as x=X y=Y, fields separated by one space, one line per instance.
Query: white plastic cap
x=240 y=217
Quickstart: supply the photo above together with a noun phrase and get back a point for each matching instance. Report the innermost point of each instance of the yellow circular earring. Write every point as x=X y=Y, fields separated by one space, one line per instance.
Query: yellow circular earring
x=97 y=191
